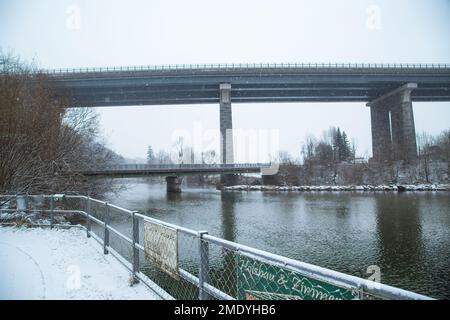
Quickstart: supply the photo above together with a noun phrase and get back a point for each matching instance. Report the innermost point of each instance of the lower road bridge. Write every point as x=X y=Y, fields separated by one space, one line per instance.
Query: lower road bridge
x=174 y=171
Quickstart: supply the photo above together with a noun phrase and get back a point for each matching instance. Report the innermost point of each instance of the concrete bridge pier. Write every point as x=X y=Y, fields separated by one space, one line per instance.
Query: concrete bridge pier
x=226 y=132
x=392 y=122
x=174 y=184
x=229 y=179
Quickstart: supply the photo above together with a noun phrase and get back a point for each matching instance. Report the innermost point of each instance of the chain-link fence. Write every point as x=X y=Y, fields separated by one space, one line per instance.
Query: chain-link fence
x=180 y=263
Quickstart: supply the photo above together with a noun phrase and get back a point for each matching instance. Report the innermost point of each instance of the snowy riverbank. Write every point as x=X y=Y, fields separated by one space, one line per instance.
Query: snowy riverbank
x=40 y=263
x=418 y=187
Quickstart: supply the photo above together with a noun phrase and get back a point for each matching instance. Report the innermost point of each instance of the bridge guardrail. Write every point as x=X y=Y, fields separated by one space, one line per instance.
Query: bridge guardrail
x=179 y=166
x=237 y=66
x=207 y=267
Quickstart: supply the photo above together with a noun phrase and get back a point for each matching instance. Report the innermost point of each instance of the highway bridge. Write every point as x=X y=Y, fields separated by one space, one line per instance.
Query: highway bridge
x=388 y=89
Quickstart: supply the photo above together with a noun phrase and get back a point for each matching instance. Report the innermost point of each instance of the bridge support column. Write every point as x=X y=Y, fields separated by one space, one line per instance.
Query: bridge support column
x=392 y=121
x=226 y=132
x=381 y=132
x=226 y=124
x=174 y=184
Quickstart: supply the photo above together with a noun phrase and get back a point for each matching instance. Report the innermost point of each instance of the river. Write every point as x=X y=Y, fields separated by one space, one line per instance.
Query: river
x=407 y=235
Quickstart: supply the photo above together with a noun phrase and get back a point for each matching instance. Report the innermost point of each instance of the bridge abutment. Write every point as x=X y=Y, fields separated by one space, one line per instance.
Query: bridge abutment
x=174 y=184
x=392 y=122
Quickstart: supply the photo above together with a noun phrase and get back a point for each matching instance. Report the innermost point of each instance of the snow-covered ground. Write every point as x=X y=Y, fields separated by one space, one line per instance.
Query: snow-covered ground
x=40 y=263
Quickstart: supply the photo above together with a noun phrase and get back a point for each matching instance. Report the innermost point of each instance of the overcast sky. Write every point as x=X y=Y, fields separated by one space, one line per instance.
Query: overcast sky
x=60 y=34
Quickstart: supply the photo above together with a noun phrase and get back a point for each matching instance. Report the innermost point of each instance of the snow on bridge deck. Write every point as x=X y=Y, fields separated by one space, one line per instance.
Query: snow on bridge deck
x=40 y=263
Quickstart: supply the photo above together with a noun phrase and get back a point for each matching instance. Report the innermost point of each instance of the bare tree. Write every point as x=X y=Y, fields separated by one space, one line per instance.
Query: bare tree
x=179 y=146
x=163 y=157
x=210 y=157
x=42 y=143
x=424 y=143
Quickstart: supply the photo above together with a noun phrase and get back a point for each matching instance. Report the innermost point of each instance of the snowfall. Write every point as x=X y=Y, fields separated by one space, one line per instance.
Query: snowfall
x=38 y=263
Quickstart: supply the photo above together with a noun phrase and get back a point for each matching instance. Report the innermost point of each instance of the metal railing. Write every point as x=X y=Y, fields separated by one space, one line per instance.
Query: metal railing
x=240 y=66
x=179 y=166
x=207 y=265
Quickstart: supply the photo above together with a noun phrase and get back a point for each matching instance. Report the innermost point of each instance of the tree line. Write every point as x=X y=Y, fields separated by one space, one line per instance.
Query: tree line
x=181 y=153
x=334 y=146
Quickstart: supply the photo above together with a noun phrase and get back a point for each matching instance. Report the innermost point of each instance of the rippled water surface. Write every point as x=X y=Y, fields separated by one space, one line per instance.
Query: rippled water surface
x=406 y=234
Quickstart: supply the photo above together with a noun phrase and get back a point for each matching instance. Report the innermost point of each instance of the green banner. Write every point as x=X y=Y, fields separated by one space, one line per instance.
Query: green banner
x=262 y=281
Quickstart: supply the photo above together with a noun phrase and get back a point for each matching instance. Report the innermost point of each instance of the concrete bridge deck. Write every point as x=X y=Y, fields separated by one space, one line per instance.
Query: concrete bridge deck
x=282 y=82
x=388 y=89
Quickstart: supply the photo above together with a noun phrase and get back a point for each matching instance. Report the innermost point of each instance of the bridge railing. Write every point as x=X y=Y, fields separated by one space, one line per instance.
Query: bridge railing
x=241 y=66
x=149 y=167
x=195 y=265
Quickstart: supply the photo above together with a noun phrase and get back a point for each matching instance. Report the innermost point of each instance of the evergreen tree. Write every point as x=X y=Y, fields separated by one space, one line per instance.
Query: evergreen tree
x=337 y=145
x=151 y=159
x=342 y=150
x=345 y=146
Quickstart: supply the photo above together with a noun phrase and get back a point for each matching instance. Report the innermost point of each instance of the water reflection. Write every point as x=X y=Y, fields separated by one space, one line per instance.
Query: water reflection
x=399 y=236
x=228 y=203
x=343 y=208
x=174 y=197
x=224 y=272
x=407 y=235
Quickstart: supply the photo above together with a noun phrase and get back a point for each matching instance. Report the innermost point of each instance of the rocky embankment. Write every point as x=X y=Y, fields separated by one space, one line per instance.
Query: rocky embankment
x=398 y=188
